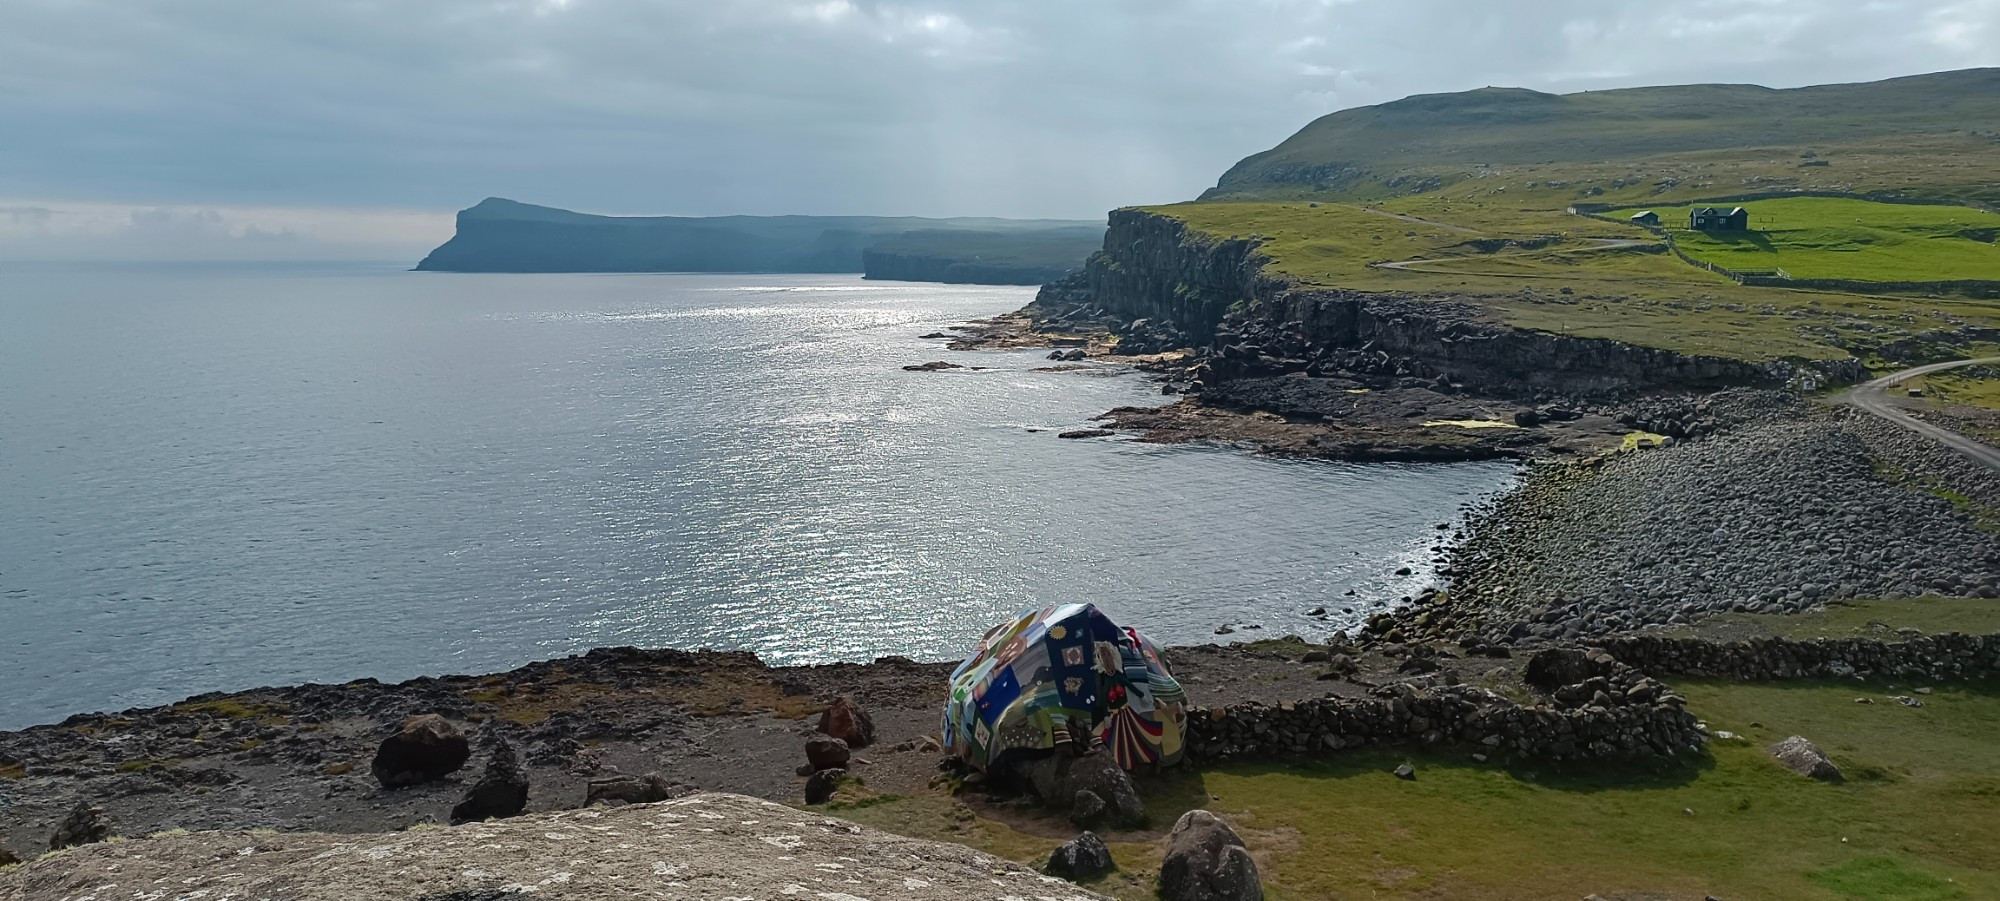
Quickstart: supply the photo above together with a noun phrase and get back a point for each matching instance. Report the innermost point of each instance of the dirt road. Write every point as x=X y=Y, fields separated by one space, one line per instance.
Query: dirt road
x=1873 y=398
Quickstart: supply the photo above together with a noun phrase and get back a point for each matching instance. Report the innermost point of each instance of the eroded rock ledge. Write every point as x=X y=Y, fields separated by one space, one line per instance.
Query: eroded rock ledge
x=698 y=848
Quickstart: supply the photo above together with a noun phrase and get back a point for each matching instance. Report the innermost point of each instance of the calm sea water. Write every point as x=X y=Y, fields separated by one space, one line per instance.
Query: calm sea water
x=222 y=477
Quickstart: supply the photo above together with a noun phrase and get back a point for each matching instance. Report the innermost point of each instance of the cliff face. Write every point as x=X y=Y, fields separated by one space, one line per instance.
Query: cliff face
x=1161 y=284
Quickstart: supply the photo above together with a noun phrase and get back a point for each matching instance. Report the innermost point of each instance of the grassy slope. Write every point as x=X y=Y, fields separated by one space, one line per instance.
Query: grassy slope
x=1933 y=136
x=1507 y=162
x=1917 y=819
x=1650 y=299
x=1830 y=237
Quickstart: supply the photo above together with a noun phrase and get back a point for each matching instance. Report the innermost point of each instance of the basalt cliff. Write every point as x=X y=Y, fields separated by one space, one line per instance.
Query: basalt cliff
x=1158 y=284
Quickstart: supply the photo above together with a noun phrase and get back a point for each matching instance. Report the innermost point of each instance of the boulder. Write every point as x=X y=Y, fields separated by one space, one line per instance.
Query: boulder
x=820 y=786
x=1805 y=758
x=1087 y=809
x=501 y=792
x=7 y=858
x=845 y=720
x=1057 y=778
x=827 y=754
x=1206 y=861
x=83 y=825
x=1080 y=858
x=647 y=789
x=1554 y=668
x=424 y=749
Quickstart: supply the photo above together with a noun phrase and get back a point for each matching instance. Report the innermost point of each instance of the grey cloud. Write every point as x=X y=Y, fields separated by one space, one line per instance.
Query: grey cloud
x=1001 y=107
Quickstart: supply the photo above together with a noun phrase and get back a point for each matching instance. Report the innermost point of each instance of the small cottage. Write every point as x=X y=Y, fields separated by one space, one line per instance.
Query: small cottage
x=1647 y=219
x=1709 y=218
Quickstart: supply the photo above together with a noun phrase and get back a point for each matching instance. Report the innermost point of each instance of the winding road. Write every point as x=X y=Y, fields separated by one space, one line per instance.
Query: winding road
x=1872 y=397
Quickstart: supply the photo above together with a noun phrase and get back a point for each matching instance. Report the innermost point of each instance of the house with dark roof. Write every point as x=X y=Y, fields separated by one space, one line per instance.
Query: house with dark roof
x=1709 y=218
x=1647 y=219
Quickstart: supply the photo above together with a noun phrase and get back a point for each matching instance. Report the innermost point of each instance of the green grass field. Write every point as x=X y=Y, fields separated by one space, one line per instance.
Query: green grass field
x=1649 y=299
x=1916 y=819
x=1830 y=237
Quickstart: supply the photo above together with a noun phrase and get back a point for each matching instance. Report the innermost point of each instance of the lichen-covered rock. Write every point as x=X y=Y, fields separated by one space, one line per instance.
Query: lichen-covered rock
x=696 y=848
x=1805 y=758
x=1206 y=861
x=425 y=749
x=1083 y=857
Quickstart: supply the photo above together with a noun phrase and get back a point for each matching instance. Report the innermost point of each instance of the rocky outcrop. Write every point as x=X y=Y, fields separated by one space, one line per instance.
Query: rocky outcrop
x=84 y=825
x=701 y=847
x=1093 y=787
x=1160 y=284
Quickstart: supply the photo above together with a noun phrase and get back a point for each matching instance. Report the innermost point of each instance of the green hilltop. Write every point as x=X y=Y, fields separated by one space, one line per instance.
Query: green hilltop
x=1679 y=142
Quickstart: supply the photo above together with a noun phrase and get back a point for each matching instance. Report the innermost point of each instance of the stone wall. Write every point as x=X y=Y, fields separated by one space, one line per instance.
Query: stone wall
x=1950 y=657
x=1474 y=718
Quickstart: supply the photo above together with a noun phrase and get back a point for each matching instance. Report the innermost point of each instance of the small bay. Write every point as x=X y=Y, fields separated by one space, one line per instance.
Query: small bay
x=217 y=477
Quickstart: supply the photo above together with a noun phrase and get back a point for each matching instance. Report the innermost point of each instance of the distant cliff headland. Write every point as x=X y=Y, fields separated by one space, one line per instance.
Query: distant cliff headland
x=499 y=235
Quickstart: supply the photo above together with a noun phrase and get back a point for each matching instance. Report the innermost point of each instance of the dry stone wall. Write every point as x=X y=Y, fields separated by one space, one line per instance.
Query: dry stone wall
x=1943 y=658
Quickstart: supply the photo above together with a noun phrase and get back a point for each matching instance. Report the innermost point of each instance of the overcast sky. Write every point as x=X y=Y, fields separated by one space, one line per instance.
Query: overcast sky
x=354 y=128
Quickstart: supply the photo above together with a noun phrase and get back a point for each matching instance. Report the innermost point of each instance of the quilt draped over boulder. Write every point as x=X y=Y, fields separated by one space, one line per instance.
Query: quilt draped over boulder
x=1060 y=676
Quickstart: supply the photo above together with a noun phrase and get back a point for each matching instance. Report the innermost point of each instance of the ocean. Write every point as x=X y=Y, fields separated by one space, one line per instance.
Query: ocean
x=222 y=476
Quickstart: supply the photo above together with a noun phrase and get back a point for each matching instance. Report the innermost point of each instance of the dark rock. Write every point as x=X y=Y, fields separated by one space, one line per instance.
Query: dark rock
x=1406 y=772
x=8 y=858
x=1080 y=858
x=1206 y=861
x=425 y=749
x=933 y=366
x=646 y=789
x=1527 y=419
x=501 y=792
x=83 y=825
x=1554 y=668
x=845 y=720
x=1086 y=433
x=1806 y=759
x=820 y=786
x=1056 y=779
x=827 y=754
x=1087 y=809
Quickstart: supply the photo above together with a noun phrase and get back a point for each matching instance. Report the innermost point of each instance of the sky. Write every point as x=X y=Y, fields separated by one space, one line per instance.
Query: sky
x=353 y=129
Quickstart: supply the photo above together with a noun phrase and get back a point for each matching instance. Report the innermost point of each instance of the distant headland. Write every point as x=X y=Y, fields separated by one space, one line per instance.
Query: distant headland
x=499 y=235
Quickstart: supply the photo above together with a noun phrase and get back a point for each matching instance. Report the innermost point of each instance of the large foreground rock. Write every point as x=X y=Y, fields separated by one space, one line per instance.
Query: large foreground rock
x=1206 y=861
x=1058 y=779
x=697 y=848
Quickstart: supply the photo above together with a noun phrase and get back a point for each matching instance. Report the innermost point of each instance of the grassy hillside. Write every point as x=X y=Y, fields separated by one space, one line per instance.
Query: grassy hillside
x=1928 y=136
x=1548 y=270
x=1831 y=237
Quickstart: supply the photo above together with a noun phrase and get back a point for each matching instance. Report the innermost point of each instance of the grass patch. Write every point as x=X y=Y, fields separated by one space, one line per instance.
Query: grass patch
x=1962 y=389
x=1834 y=237
x=16 y=770
x=1470 y=424
x=236 y=707
x=1546 y=270
x=143 y=765
x=1862 y=619
x=1918 y=816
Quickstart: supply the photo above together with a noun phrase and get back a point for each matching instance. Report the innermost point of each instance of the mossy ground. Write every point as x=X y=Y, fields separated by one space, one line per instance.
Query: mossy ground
x=1626 y=294
x=1917 y=818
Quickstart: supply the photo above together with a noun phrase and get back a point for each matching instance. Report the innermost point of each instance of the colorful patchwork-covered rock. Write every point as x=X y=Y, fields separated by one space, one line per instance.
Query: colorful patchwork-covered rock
x=1060 y=675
